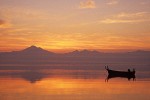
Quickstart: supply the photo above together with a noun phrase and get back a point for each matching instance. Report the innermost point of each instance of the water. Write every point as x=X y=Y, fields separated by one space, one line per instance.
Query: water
x=62 y=84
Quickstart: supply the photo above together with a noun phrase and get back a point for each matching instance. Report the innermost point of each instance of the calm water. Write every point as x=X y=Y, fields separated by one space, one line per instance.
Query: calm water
x=71 y=85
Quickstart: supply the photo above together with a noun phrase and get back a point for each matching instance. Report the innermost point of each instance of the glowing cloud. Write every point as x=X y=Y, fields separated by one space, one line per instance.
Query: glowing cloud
x=133 y=15
x=113 y=2
x=87 y=4
x=4 y=24
x=128 y=18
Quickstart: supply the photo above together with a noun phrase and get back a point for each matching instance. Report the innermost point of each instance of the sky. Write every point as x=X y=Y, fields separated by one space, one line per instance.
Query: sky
x=67 y=25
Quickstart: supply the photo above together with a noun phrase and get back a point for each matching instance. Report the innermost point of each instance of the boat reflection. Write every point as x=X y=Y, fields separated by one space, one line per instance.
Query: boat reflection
x=116 y=76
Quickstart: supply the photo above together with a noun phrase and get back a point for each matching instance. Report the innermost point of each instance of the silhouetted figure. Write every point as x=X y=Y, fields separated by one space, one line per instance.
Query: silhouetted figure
x=129 y=70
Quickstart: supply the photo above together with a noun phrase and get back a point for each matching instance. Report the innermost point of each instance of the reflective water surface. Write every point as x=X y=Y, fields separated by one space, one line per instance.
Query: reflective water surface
x=71 y=85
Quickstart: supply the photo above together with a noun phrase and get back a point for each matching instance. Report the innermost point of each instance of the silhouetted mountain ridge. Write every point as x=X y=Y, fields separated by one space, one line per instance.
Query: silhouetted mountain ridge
x=29 y=53
x=72 y=60
x=35 y=49
x=34 y=52
x=84 y=53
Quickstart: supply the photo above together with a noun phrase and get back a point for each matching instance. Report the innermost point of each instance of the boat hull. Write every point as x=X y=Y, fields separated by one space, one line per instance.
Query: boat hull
x=122 y=74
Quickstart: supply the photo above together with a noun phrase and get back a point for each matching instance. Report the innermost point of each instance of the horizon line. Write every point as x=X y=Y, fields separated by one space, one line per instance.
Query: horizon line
x=63 y=51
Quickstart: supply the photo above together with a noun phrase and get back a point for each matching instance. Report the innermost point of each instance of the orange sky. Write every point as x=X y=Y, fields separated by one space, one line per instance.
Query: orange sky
x=66 y=25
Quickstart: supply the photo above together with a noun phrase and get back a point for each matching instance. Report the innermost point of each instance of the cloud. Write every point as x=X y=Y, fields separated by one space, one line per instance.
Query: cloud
x=113 y=2
x=128 y=18
x=132 y=15
x=4 y=24
x=111 y=21
x=87 y=4
x=144 y=3
x=19 y=13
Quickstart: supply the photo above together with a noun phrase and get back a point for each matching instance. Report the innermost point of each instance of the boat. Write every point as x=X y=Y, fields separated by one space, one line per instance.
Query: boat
x=123 y=74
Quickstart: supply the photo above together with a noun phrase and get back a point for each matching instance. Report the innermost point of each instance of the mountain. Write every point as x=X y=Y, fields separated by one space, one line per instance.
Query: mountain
x=32 y=50
x=35 y=50
x=84 y=53
x=33 y=56
x=140 y=52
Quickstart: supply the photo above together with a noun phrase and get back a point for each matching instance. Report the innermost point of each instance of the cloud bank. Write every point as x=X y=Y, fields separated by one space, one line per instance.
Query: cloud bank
x=128 y=18
x=113 y=2
x=87 y=4
x=2 y=22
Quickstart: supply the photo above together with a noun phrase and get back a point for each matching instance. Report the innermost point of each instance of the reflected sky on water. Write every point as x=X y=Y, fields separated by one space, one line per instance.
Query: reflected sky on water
x=71 y=85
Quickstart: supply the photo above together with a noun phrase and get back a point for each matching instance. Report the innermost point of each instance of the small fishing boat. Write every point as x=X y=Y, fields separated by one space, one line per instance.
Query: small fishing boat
x=124 y=74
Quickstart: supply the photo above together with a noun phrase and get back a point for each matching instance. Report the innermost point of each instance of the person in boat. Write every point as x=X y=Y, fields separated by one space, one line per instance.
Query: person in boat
x=129 y=70
x=133 y=70
x=106 y=67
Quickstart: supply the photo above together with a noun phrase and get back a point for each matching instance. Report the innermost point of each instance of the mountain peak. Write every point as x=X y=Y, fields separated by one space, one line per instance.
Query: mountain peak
x=34 y=49
x=84 y=52
x=33 y=46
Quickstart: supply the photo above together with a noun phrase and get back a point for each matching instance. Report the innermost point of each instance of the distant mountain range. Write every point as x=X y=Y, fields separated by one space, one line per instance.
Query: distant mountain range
x=37 y=56
x=30 y=50
x=33 y=50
